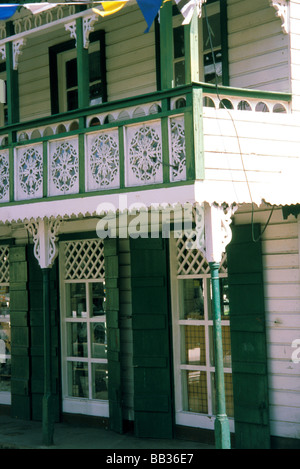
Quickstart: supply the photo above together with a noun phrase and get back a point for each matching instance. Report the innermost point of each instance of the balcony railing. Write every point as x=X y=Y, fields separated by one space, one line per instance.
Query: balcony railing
x=137 y=143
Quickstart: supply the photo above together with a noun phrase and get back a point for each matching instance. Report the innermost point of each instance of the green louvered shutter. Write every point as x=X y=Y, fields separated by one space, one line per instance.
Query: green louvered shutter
x=248 y=339
x=153 y=413
x=20 y=334
x=113 y=334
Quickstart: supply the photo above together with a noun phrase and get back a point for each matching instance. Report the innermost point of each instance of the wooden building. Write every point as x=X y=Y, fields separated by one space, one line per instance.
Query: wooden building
x=130 y=163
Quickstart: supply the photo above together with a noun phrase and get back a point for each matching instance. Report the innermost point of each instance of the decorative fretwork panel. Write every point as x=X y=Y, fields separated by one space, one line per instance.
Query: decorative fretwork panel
x=4 y=176
x=178 y=159
x=192 y=261
x=29 y=172
x=84 y=260
x=144 y=154
x=103 y=160
x=4 y=264
x=63 y=167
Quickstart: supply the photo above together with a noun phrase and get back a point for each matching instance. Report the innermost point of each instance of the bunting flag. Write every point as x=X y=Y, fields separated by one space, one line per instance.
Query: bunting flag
x=108 y=8
x=6 y=11
x=187 y=8
x=149 y=8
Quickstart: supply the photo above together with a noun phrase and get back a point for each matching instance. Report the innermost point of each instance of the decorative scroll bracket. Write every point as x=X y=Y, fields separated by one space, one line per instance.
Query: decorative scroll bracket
x=282 y=9
x=17 y=46
x=87 y=28
x=217 y=230
x=44 y=233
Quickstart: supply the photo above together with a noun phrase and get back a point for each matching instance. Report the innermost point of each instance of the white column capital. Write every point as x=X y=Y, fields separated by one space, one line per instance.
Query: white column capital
x=44 y=232
x=217 y=230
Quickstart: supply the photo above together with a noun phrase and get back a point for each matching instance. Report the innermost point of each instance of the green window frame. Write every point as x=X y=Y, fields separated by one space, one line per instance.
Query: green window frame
x=69 y=46
x=218 y=22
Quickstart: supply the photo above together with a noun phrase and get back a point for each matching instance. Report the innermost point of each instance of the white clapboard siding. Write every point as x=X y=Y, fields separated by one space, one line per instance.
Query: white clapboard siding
x=126 y=328
x=258 y=148
x=294 y=13
x=258 y=50
x=280 y=245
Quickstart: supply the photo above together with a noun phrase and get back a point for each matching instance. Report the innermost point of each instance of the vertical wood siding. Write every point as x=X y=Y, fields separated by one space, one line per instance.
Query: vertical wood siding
x=282 y=302
x=258 y=50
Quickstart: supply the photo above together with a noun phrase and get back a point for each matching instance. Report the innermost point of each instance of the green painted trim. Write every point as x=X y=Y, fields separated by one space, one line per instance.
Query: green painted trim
x=244 y=93
x=121 y=131
x=165 y=149
x=12 y=84
x=81 y=157
x=198 y=134
x=11 y=174
x=78 y=236
x=166 y=46
x=157 y=54
x=224 y=42
x=45 y=169
x=82 y=66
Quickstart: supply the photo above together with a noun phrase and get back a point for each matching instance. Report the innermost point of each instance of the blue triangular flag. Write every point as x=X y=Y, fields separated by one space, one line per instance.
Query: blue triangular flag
x=149 y=8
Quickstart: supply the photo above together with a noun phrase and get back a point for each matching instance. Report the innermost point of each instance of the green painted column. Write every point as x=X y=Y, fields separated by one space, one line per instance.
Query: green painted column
x=48 y=408
x=82 y=67
x=222 y=431
x=166 y=46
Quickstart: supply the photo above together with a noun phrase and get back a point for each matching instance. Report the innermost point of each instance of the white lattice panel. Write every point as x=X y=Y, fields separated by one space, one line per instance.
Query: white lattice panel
x=84 y=260
x=144 y=154
x=29 y=172
x=102 y=160
x=192 y=261
x=177 y=149
x=4 y=176
x=63 y=169
x=4 y=264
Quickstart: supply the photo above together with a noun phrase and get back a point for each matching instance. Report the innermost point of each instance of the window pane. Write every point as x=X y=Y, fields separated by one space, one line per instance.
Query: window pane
x=226 y=342
x=77 y=339
x=197 y=391
x=72 y=100
x=5 y=351
x=94 y=66
x=95 y=94
x=100 y=381
x=71 y=73
x=210 y=72
x=195 y=345
x=98 y=299
x=76 y=300
x=215 y=31
x=228 y=394
x=179 y=70
x=4 y=301
x=178 y=36
x=98 y=340
x=193 y=296
x=78 y=379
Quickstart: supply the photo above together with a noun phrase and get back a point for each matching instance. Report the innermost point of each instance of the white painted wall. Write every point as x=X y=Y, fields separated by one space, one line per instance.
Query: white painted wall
x=258 y=49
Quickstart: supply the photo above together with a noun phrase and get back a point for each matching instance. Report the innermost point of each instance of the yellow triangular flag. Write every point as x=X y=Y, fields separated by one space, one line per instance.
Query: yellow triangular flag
x=108 y=8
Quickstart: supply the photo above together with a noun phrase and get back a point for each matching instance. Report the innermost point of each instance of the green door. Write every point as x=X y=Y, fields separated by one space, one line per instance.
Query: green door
x=248 y=339
x=153 y=409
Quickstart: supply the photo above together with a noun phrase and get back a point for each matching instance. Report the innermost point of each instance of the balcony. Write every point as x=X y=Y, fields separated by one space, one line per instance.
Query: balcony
x=140 y=144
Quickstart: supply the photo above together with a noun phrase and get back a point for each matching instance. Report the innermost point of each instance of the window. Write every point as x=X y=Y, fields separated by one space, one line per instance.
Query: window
x=63 y=74
x=3 y=106
x=5 y=329
x=85 y=375
x=212 y=67
x=193 y=338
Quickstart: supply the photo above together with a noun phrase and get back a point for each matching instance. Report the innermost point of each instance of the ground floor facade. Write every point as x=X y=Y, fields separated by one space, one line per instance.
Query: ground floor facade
x=132 y=339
